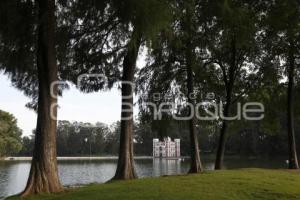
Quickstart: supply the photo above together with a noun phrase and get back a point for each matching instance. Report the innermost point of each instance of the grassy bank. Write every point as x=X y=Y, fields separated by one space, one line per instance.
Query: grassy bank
x=231 y=185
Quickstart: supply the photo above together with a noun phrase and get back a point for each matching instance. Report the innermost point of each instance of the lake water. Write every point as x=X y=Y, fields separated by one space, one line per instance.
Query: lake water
x=14 y=174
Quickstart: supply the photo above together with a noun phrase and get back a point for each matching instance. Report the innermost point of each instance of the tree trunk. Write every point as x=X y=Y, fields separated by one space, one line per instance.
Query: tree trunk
x=125 y=168
x=196 y=165
x=229 y=83
x=293 y=160
x=222 y=140
x=43 y=177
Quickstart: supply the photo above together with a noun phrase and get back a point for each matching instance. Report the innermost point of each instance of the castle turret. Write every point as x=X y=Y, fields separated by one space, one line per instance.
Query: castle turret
x=177 y=147
x=156 y=147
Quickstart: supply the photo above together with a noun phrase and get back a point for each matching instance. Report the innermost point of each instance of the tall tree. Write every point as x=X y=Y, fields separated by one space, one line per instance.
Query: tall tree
x=145 y=18
x=125 y=168
x=43 y=177
x=175 y=55
x=282 y=28
x=33 y=72
x=232 y=48
x=105 y=38
x=196 y=165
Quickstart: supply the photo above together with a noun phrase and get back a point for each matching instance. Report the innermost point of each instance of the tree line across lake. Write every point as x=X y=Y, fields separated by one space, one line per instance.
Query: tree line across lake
x=85 y=139
x=241 y=50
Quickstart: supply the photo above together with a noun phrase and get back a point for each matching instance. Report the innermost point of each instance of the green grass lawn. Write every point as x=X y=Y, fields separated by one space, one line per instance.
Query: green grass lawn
x=231 y=185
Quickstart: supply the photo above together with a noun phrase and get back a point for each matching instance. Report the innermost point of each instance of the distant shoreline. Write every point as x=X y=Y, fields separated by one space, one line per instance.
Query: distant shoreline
x=81 y=158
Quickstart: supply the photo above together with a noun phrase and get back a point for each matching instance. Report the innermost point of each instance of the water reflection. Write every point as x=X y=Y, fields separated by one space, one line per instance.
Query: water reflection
x=74 y=173
x=14 y=174
x=167 y=167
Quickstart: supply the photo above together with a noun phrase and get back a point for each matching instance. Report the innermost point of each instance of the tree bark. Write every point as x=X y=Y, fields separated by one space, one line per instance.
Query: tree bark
x=229 y=83
x=196 y=165
x=43 y=177
x=293 y=159
x=125 y=168
x=222 y=140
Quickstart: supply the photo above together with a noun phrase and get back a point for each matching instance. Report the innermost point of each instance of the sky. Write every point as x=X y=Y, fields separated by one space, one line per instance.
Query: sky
x=102 y=107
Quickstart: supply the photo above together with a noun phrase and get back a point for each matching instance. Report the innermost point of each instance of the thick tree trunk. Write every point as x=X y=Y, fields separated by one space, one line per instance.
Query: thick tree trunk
x=43 y=177
x=293 y=160
x=125 y=168
x=196 y=165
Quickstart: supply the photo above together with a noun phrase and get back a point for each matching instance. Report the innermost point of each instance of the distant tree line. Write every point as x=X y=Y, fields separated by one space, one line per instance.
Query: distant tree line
x=85 y=139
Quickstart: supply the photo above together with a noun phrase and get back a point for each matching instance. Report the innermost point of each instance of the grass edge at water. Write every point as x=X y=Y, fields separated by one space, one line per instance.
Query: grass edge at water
x=228 y=184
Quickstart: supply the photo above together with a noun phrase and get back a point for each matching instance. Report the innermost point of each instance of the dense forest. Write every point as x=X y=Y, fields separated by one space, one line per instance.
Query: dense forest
x=245 y=52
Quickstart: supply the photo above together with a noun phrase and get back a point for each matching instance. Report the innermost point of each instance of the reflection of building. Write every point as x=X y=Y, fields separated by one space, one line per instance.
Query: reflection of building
x=166 y=148
x=167 y=167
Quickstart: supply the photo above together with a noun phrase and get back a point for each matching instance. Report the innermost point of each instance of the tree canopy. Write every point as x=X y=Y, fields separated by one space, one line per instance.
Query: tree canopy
x=10 y=135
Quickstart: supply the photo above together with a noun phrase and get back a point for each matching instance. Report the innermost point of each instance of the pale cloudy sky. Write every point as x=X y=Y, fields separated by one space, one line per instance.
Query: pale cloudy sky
x=74 y=106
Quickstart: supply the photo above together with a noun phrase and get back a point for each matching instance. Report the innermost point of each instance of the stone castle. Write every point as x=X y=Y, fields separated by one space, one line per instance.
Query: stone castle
x=166 y=148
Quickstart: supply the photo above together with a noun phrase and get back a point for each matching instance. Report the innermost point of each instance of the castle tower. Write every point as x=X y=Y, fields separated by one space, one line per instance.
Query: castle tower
x=156 y=148
x=177 y=147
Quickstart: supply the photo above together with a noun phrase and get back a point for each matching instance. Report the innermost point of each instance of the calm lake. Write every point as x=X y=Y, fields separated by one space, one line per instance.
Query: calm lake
x=13 y=174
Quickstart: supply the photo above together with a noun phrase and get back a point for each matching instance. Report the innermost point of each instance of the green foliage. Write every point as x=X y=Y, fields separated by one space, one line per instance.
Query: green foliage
x=284 y=16
x=18 y=41
x=282 y=32
x=83 y=139
x=245 y=184
x=92 y=42
x=237 y=19
x=10 y=135
x=147 y=17
x=165 y=72
x=17 y=44
x=208 y=30
x=27 y=146
x=17 y=36
x=99 y=35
